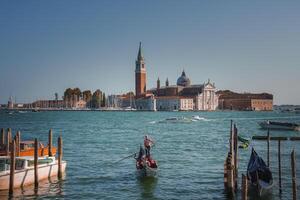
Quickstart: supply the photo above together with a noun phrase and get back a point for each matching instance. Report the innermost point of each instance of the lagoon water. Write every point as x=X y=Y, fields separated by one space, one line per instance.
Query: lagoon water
x=190 y=155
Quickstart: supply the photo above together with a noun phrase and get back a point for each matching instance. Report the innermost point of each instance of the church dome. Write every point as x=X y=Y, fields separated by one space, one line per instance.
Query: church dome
x=183 y=80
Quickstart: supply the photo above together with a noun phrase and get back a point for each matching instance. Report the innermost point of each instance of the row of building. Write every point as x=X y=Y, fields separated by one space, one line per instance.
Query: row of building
x=183 y=96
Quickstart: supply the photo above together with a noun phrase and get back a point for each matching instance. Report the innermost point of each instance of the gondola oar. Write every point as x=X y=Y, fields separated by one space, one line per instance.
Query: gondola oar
x=125 y=157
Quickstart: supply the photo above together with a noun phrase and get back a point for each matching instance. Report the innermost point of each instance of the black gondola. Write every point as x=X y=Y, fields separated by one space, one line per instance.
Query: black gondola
x=259 y=174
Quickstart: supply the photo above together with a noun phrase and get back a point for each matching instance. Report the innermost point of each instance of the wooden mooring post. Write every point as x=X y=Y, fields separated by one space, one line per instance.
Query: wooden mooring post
x=18 y=141
x=60 y=152
x=230 y=170
x=279 y=166
x=268 y=144
x=293 y=162
x=36 y=173
x=244 y=187
x=2 y=137
x=8 y=135
x=235 y=137
x=50 y=143
x=12 y=168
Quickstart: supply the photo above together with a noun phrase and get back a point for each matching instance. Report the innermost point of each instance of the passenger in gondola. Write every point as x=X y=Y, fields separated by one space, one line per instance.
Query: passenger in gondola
x=139 y=158
x=148 y=142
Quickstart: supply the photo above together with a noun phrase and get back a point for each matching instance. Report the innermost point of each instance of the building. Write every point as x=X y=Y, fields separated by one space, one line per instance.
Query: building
x=48 y=104
x=146 y=103
x=81 y=104
x=229 y=100
x=121 y=101
x=182 y=96
x=140 y=74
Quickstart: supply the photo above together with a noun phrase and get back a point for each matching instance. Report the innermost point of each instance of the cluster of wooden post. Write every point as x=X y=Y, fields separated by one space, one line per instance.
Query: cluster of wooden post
x=231 y=163
x=293 y=163
x=15 y=151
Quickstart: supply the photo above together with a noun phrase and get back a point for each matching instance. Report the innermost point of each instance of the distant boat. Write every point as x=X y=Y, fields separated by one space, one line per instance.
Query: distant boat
x=22 y=111
x=129 y=109
x=280 y=125
x=24 y=171
x=259 y=174
x=176 y=120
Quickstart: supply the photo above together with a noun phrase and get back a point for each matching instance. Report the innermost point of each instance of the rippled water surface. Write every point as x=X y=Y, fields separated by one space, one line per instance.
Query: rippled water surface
x=190 y=155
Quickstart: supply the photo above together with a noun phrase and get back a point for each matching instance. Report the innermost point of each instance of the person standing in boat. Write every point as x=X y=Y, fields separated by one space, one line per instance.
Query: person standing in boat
x=140 y=155
x=148 y=142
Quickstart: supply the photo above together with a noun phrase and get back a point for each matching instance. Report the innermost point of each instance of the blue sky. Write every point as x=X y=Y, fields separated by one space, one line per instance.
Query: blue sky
x=47 y=46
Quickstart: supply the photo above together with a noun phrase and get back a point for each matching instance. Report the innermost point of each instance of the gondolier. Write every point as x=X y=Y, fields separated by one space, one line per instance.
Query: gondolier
x=148 y=142
x=145 y=164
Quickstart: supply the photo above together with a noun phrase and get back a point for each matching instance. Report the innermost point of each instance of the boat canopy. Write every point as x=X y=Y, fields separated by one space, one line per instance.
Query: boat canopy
x=257 y=167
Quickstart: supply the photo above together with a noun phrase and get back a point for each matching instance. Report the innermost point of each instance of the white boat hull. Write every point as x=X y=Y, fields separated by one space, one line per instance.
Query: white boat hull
x=26 y=176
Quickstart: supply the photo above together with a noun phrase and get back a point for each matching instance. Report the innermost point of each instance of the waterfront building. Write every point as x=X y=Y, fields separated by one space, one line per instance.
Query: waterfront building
x=81 y=104
x=48 y=104
x=146 y=103
x=182 y=96
x=229 y=100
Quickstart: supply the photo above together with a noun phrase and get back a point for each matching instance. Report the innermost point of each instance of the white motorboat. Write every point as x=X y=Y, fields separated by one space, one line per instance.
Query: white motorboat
x=24 y=171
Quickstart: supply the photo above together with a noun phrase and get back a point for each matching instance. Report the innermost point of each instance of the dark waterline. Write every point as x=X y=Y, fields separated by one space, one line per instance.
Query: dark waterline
x=190 y=155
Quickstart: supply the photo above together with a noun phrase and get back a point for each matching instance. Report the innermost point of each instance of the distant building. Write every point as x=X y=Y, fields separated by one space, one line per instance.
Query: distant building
x=229 y=100
x=48 y=104
x=182 y=96
x=121 y=101
x=146 y=103
x=81 y=104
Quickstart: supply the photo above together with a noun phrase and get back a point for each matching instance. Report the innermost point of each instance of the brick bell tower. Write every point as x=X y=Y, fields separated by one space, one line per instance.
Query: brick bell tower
x=140 y=74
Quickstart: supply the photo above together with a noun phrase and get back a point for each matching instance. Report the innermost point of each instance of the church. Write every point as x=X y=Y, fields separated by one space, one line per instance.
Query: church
x=183 y=96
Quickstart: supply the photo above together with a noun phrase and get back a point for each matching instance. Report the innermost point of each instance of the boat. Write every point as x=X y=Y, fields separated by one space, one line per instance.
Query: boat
x=259 y=174
x=24 y=171
x=198 y=118
x=145 y=164
x=244 y=145
x=280 y=125
x=176 y=120
x=27 y=149
x=146 y=167
x=241 y=139
x=244 y=142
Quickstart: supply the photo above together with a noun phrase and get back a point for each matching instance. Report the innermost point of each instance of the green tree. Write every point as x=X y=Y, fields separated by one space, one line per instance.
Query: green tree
x=87 y=97
x=96 y=99
x=103 y=102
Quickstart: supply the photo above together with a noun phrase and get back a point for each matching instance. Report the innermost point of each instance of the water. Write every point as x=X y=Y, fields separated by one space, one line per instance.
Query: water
x=190 y=155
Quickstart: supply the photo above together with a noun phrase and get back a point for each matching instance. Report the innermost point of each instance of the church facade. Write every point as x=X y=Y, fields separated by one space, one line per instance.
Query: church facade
x=183 y=96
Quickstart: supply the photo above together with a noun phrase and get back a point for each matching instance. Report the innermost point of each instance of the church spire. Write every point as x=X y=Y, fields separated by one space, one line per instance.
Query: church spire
x=158 y=83
x=140 y=53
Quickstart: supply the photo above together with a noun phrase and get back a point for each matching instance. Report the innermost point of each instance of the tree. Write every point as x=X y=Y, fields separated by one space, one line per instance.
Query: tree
x=96 y=99
x=77 y=94
x=87 y=97
x=103 y=102
x=71 y=96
